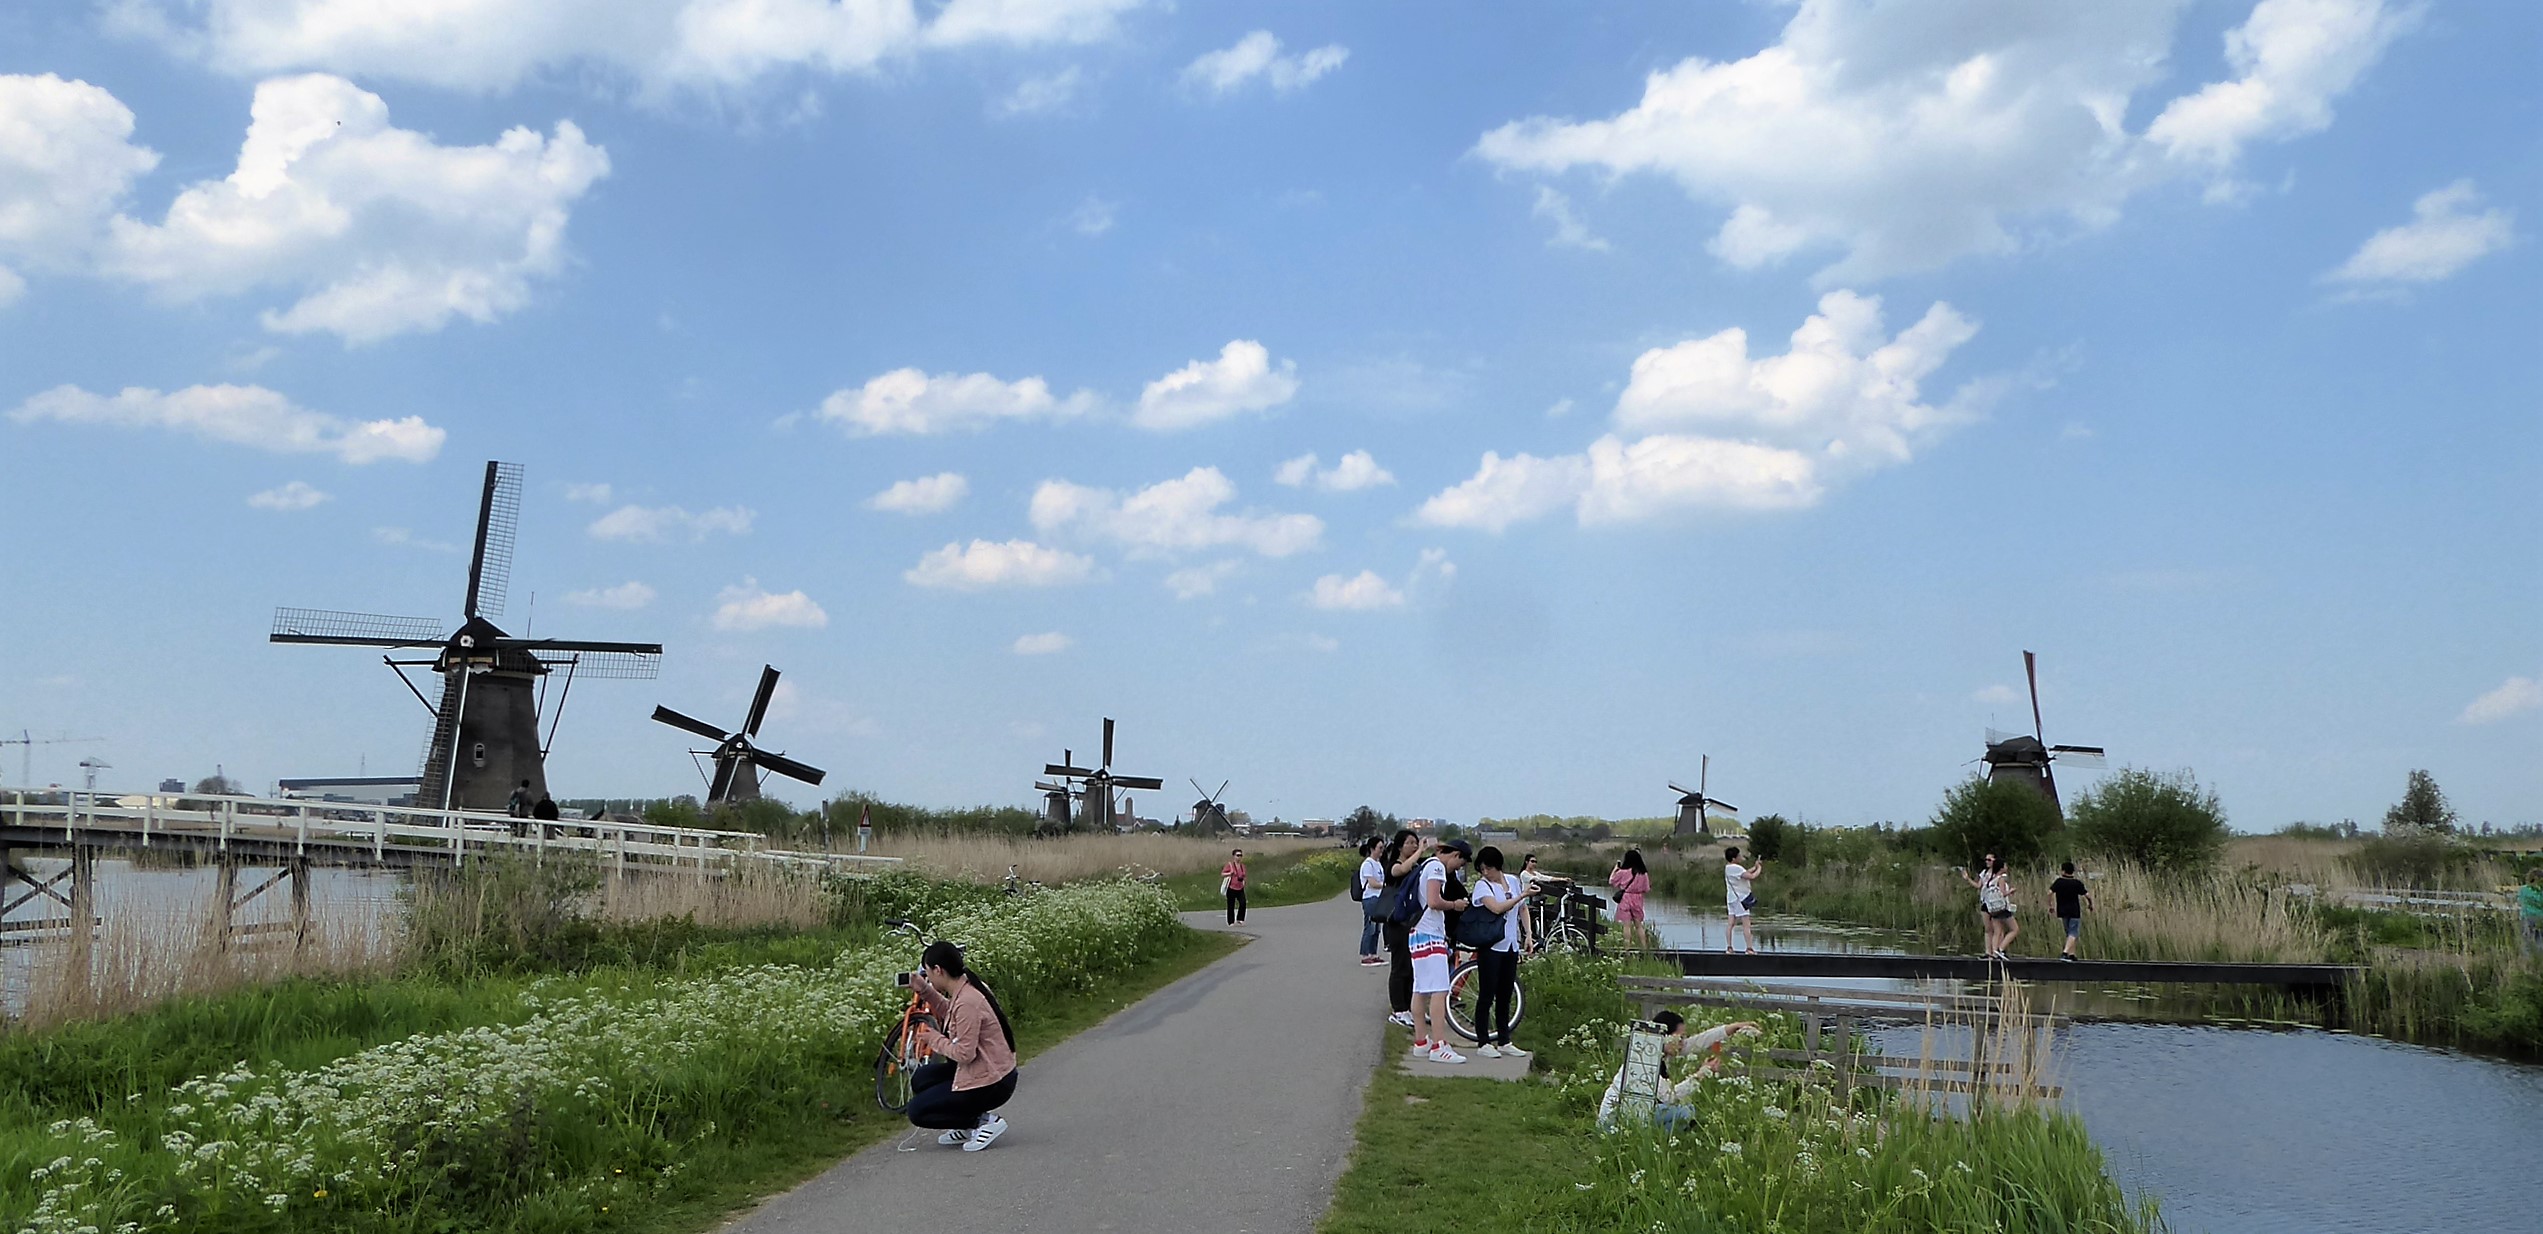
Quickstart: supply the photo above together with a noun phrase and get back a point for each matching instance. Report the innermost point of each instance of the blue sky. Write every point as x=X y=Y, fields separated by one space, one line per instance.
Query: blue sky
x=1757 y=380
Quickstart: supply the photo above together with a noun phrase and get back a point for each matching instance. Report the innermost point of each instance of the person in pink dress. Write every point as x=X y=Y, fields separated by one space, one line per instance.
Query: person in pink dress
x=1632 y=881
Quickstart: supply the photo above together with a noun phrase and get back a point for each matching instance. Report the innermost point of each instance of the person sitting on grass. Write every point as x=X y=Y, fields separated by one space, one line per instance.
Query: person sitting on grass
x=1675 y=1101
x=973 y=1071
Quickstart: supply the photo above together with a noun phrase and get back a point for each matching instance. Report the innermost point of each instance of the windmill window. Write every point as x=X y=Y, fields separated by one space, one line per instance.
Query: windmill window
x=477 y=754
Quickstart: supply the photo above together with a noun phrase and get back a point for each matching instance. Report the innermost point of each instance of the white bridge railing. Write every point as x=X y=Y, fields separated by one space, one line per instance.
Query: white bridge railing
x=342 y=829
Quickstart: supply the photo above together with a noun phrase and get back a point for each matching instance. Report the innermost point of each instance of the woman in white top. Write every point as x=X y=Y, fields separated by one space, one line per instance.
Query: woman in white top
x=1739 y=884
x=1995 y=904
x=1498 y=965
x=1530 y=878
x=1370 y=881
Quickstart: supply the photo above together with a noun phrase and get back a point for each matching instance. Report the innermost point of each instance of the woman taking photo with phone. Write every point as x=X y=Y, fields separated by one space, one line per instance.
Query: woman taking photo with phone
x=1632 y=881
x=973 y=1071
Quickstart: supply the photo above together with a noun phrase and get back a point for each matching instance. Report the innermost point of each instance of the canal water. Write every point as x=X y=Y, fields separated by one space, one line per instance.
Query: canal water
x=2262 y=1131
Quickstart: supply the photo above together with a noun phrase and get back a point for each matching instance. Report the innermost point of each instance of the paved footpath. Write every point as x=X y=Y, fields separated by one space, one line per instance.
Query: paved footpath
x=1222 y=1104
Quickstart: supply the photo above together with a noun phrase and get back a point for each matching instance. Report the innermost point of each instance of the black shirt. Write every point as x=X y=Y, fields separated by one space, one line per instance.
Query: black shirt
x=2069 y=891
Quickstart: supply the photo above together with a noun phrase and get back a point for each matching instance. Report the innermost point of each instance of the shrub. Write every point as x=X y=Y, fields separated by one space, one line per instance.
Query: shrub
x=2409 y=858
x=2009 y=819
x=1766 y=836
x=2422 y=807
x=2162 y=822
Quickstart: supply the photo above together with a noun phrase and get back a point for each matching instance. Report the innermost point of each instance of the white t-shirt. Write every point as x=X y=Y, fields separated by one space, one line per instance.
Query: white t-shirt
x=1433 y=921
x=1372 y=876
x=1736 y=885
x=1507 y=889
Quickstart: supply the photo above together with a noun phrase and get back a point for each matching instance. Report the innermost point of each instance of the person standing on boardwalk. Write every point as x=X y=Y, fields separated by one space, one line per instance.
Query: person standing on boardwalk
x=1232 y=881
x=518 y=805
x=1368 y=888
x=1995 y=905
x=1504 y=897
x=1428 y=946
x=1739 y=886
x=1632 y=881
x=973 y=1072
x=1404 y=855
x=2072 y=895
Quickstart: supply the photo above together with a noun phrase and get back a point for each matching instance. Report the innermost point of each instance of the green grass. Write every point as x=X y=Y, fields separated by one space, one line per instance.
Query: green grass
x=1304 y=876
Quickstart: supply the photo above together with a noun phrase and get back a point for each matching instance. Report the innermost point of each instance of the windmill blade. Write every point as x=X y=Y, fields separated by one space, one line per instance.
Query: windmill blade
x=1050 y=788
x=1108 y=742
x=1066 y=772
x=759 y=703
x=2031 y=670
x=2090 y=758
x=535 y=646
x=319 y=625
x=664 y=715
x=1214 y=797
x=1138 y=782
x=612 y=664
x=1680 y=791
x=498 y=520
x=1724 y=806
x=726 y=765
x=788 y=767
x=1196 y=787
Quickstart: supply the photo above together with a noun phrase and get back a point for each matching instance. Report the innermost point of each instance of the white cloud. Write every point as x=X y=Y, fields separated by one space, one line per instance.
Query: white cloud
x=241 y=415
x=1356 y=470
x=597 y=494
x=1997 y=695
x=1042 y=644
x=297 y=495
x=378 y=229
x=66 y=162
x=924 y=495
x=1242 y=379
x=400 y=537
x=1558 y=409
x=1194 y=582
x=750 y=607
x=1569 y=230
x=1360 y=593
x=662 y=524
x=908 y=401
x=1172 y=516
x=1092 y=217
x=2514 y=696
x=2292 y=58
x=1257 y=56
x=1703 y=424
x=1907 y=136
x=1045 y=93
x=2443 y=236
x=627 y=595
x=658 y=46
x=983 y=564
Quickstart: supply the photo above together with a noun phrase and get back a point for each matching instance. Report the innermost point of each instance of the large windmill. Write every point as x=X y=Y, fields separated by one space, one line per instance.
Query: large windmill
x=485 y=738
x=738 y=758
x=1100 y=782
x=1692 y=806
x=2026 y=758
x=1209 y=814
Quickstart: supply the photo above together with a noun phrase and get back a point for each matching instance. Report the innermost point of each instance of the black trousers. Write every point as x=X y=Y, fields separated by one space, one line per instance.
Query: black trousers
x=935 y=1102
x=1399 y=953
x=1499 y=972
x=1235 y=905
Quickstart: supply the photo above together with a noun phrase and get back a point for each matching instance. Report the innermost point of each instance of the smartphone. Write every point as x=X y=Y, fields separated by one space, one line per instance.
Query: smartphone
x=902 y=979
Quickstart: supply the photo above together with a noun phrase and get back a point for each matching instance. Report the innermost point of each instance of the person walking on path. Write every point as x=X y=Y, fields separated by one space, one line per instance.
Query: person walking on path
x=2530 y=910
x=1739 y=887
x=1404 y=855
x=1232 y=881
x=2072 y=895
x=1995 y=905
x=1632 y=881
x=1428 y=945
x=1504 y=897
x=973 y=1072
x=1368 y=889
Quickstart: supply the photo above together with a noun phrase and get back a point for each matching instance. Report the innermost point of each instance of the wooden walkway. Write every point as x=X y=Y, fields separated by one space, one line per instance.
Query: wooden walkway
x=1976 y=968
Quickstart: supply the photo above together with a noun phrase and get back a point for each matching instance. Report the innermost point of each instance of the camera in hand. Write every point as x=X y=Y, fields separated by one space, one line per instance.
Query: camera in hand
x=902 y=978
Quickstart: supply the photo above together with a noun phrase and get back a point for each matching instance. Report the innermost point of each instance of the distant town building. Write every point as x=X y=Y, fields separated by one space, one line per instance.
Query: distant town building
x=172 y=786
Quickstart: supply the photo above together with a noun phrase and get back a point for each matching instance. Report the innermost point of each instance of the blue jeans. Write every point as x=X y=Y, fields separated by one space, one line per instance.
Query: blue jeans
x=1672 y=1117
x=1368 y=929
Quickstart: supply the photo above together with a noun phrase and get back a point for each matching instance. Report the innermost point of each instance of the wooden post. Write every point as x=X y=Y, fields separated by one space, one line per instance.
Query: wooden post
x=299 y=872
x=1845 y=1056
x=224 y=898
x=83 y=915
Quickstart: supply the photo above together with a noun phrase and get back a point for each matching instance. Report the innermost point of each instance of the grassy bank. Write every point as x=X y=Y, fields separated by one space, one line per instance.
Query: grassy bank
x=651 y=1090
x=1459 y=1155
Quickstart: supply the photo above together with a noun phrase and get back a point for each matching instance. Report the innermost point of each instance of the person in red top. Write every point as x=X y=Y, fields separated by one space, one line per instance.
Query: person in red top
x=1232 y=878
x=973 y=1071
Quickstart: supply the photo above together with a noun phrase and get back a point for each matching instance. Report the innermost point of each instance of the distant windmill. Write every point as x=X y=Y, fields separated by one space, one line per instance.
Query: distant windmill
x=1692 y=805
x=1055 y=799
x=1209 y=814
x=1100 y=783
x=485 y=736
x=2013 y=756
x=738 y=760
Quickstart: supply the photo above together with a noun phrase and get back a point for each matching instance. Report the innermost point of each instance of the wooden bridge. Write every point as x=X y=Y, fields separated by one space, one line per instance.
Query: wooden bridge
x=2020 y=968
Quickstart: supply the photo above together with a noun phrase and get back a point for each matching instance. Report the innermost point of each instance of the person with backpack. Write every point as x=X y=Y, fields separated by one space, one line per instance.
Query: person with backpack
x=1368 y=883
x=973 y=1070
x=1427 y=944
x=1491 y=927
x=1404 y=855
x=2072 y=895
x=1995 y=904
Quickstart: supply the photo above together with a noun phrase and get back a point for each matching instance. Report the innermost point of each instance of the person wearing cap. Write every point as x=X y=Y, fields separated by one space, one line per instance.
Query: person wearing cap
x=1428 y=945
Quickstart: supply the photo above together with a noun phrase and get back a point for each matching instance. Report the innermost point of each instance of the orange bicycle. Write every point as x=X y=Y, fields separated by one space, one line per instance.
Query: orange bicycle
x=901 y=1054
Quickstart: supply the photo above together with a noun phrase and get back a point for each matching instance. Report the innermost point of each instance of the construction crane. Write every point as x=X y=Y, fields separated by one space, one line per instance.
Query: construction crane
x=27 y=742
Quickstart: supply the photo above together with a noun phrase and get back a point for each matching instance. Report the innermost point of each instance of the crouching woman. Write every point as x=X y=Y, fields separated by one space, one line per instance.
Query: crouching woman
x=973 y=1071
x=1674 y=1103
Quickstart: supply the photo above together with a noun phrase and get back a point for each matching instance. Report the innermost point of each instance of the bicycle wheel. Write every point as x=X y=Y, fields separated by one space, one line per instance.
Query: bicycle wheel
x=895 y=1064
x=1465 y=989
x=1569 y=936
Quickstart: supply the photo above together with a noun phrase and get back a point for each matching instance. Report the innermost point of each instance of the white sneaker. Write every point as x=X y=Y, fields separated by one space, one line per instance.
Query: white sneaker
x=1490 y=1050
x=1511 y=1051
x=1403 y=1018
x=987 y=1134
x=951 y=1138
x=1419 y=1047
x=1442 y=1054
